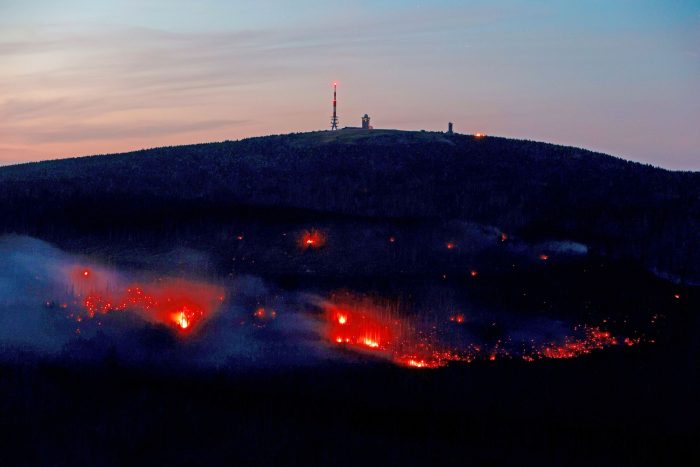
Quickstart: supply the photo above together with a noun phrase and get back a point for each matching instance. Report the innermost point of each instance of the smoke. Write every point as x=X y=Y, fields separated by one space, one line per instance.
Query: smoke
x=565 y=247
x=73 y=307
x=28 y=269
x=560 y=249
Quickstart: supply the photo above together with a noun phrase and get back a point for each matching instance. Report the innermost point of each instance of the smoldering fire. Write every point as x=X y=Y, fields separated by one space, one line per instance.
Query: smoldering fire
x=364 y=325
x=175 y=302
x=311 y=239
x=249 y=319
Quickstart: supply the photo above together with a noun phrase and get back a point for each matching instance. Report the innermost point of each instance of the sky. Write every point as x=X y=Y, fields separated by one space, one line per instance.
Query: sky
x=81 y=77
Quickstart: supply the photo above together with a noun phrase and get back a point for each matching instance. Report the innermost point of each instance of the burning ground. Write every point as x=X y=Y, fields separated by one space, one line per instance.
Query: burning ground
x=80 y=308
x=362 y=325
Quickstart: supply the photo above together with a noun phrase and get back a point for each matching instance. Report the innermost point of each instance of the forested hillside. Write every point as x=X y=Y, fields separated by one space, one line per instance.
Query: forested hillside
x=533 y=190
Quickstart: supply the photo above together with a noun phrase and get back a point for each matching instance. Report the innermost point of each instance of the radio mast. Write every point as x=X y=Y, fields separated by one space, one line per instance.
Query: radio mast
x=334 y=119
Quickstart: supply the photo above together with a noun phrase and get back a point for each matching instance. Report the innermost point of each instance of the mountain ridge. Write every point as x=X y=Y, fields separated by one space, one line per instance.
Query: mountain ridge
x=331 y=136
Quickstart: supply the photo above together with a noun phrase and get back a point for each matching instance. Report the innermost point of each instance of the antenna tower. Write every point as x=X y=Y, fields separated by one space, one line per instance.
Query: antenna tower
x=334 y=119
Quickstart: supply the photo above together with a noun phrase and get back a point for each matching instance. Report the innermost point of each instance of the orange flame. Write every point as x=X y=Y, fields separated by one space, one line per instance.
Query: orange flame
x=182 y=321
x=175 y=302
x=364 y=325
x=311 y=239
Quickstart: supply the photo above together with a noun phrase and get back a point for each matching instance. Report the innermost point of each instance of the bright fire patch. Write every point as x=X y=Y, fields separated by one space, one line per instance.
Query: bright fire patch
x=182 y=319
x=311 y=239
x=180 y=303
x=364 y=325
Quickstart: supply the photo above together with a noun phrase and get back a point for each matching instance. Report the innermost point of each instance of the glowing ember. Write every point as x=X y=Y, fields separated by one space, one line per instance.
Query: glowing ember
x=262 y=316
x=457 y=318
x=631 y=341
x=544 y=257
x=473 y=273
x=362 y=324
x=311 y=239
x=450 y=245
x=504 y=237
x=417 y=363
x=594 y=339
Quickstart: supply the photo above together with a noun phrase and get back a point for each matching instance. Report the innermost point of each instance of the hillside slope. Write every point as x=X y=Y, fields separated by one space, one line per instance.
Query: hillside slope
x=534 y=190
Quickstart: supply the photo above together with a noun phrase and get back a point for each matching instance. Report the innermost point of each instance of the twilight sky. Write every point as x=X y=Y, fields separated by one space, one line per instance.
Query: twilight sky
x=82 y=77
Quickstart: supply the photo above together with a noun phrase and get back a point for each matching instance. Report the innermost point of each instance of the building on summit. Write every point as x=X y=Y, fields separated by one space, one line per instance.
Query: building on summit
x=365 y=123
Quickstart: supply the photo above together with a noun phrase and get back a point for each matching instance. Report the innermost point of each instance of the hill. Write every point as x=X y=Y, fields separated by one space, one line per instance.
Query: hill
x=532 y=190
x=440 y=244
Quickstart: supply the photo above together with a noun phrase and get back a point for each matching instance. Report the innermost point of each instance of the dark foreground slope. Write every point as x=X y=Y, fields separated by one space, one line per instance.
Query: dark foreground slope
x=625 y=409
x=534 y=190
